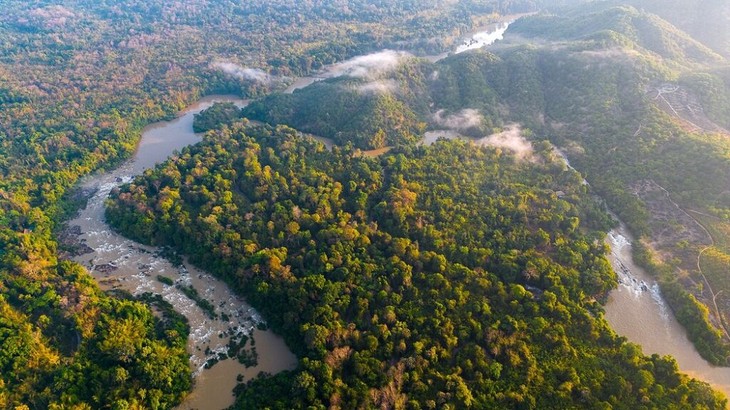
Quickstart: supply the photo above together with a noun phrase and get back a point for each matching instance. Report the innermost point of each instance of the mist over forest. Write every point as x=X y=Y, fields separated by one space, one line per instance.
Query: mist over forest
x=417 y=227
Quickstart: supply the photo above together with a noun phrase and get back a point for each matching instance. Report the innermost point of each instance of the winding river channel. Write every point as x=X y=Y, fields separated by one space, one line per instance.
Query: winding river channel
x=635 y=309
x=120 y=263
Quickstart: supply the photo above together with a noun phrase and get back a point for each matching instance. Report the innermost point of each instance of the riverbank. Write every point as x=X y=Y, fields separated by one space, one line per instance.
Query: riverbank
x=637 y=311
x=118 y=263
x=475 y=39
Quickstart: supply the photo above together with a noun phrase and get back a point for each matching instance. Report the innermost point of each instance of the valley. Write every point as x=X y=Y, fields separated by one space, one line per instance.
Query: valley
x=423 y=220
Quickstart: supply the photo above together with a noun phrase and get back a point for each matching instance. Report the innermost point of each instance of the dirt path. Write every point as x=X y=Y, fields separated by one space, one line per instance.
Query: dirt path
x=699 y=258
x=679 y=102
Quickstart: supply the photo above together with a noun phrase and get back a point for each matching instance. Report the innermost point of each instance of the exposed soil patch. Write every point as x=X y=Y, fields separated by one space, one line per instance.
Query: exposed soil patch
x=680 y=239
x=678 y=102
x=674 y=233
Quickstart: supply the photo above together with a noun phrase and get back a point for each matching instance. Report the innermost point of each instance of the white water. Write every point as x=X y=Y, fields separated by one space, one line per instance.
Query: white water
x=137 y=266
x=637 y=310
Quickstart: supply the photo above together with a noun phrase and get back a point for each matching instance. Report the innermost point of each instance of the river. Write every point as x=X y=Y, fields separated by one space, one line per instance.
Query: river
x=636 y=310
x=477 y=39
x=120 y=263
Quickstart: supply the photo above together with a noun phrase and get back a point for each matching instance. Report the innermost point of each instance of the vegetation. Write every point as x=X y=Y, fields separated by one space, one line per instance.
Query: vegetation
x=442 y=276
x=630 y=99
x=165 y=280
x=84 y=343
x=203 y=304
x=648 y=155
x=429 y=277
x=215 y=116
x=343 y=113
x=78 y=83
x=703 y=20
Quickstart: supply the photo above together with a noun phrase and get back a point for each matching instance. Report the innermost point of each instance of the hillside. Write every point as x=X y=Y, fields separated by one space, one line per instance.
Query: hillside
x=632 y=100
x=427 y=277
x=705 y=20
x=358 y=112
x=78 y=82
x=446 y=275
x=622 y=27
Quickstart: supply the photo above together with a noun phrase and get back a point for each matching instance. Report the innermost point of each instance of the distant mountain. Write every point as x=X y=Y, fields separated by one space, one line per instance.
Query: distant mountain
x=620 y=26
x=630 y=96
x=706 y=20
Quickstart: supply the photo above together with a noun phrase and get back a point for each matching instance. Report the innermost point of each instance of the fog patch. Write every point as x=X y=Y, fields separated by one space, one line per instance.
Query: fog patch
x=465 y=119
x=484 y=38
x=52 y=16
x=611 y=53
x=378 y=87
x=244 y=73
x=430 y=137
x=369 y=66
x=511 y=139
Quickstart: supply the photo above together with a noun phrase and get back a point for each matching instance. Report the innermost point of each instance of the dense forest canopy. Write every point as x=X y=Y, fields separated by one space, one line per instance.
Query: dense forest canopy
x=619 y=89
x=78 y=81
x=446 y=276
x=435 y=276
x=639 y=106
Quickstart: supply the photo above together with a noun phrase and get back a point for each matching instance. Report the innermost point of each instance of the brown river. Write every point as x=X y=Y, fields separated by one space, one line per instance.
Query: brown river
x=635 y=309
x=120 y=263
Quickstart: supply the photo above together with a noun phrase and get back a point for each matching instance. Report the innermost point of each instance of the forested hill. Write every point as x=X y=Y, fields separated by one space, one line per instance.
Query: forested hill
x=641 y=108
x=620 y=26
x=364 y=112
x=705 y=20
x=442 y=276
x=638 y=105
x=79 y=80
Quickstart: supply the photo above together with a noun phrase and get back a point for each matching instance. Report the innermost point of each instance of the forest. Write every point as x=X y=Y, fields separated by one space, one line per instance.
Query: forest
x=446 y=276
x=595 y=97
x=78 y=82
x=440 y=277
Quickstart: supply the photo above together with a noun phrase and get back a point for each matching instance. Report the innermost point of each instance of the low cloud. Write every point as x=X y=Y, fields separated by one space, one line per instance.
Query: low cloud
x=511 y=139
x=610 y=53
x=246 y=73
x=378 y=87
x=482 y=39
x=461 y=120
x=369 y=66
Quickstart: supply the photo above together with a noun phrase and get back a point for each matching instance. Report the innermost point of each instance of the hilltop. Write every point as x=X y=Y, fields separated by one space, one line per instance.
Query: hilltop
x=631 y=98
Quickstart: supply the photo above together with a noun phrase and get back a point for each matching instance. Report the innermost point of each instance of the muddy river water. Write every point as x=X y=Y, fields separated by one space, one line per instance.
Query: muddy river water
x=635 y=309
x=120 y=263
